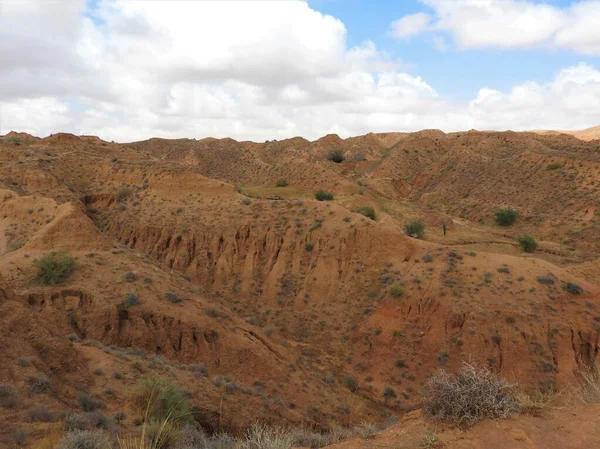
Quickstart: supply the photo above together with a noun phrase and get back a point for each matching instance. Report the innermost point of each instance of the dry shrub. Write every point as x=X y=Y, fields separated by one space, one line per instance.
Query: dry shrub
x=590 y=389
x=469 y=396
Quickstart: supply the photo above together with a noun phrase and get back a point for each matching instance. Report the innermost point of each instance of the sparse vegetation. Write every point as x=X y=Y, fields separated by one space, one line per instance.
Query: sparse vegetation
x=468 y=396
x=368 y=211
x=53 y=268
x=162 y=401
x=506 y=216
x=9 y=396
x=173 y=297
x=282 y=182
x=554 y=166
x=573 y=288
x=415 y=229
x=336 y=156
x=396 y=291
x=131 y=299
x=323 y=195
x=527 y=243
x=122 y=193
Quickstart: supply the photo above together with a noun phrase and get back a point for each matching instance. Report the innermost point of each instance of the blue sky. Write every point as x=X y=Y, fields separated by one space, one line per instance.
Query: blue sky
x=457 y=71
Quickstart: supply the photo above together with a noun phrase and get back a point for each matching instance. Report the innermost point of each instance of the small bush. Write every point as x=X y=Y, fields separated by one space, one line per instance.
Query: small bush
x=84 y=439
x=546 y=280
x=400 y=363
x=122 y=193
x=40 y=413
x=527 y=243
x=322 y=195
x=352 y=384
x=368 y=211
x=39 y=384
x=173 y=297
x=282 y=182
x=572 y=288
x=554 y=166
x=89 y=404
x=90 y=420
x=336 y=156
x=131 y=299
x=9 y=396
x=468 y=396
x=415 y=229
x=506 y=216
x=130 y=276
x=309 y=246
x=162 y=399
x=53 y=268
x=396 y=291
x=389 y=393
x=262 y=437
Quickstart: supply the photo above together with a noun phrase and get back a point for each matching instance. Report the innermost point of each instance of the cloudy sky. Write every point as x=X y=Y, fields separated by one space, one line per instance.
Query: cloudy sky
x=128 y=70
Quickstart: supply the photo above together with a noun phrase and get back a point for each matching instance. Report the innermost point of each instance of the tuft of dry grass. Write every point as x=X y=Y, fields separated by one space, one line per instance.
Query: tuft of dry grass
x=590 y=388
x=469 y=396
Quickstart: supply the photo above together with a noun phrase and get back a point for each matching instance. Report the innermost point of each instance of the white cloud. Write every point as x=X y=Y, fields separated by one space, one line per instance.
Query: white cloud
x=512 y=24
x=130 y=70
x=410 y=25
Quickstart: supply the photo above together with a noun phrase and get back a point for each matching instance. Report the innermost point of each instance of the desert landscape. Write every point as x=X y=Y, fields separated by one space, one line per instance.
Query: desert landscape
x=309 y=292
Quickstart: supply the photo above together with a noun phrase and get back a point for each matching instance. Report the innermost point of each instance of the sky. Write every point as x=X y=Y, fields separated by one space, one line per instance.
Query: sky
x=128 y=70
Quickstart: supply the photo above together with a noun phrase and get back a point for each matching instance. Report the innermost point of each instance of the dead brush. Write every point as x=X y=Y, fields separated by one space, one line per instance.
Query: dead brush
x=589 y=392
x=469 y=396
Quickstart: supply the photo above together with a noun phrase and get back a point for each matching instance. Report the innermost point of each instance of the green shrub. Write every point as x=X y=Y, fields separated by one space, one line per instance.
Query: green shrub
x=323 y=195
x=122 y=193
x=527 y=243
x=573 y=288
x=389 y=393
x=130 y=276
x=506 y=216
x=396 y=291
x=131 y=299
x=336 y=156
x=53 y=268
x=553 y=166
x=368 y=211
x=282 y=182
x=159 y=399
x=415 y=228
x=173 y=297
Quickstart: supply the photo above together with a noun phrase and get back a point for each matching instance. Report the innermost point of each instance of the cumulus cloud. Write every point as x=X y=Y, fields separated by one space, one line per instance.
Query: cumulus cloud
x=510 y=24
x=130 y=70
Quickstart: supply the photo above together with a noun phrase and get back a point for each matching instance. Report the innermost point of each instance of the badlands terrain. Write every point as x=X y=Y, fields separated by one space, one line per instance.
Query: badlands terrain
x=210 y=263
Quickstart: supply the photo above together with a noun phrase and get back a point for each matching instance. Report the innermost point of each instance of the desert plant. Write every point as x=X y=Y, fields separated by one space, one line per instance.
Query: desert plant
x=262 y=437
x=415 y=228
x=336 y=156
x=130 y=276
x=389 y=393
x=573 y=288
x=323 y=195
x=89 y=404
x=282 y=182
x=590 y=384
x=53 y=268
x=84 y=439
x=506 y=216
x=527 y=243
x=131 y=299
x=368 y=211
x=39 y=384
x=553 y=166
x=352 y=384
x=396 y=291
x=173 y=297
x=122 y=193
x=468 y=396
x=163 y=401
x=9 y=396
x=40 y=413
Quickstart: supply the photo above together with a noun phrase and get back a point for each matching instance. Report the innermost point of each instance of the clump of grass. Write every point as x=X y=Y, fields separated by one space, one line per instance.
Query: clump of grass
x=323 y=195
x=527 y=243
x=163 y=401
x=573 y=288
x=282 y=182
x=130 y=276
x=39 y=384
x=396 y=291
x=368 y=211
x=415 y=229
x=336 y=156
x=122 y=193
x=53 y=268
x=469 y=396
x=85 y=439
x=506 y=216
x=40 y=413
x=554 y=166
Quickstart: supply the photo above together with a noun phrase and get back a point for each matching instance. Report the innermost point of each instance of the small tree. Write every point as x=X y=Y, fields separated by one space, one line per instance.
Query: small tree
x=282 y=182
x=53 y=268
x=336 y=156
x=323 y=195
x=415 y=228
x=506 y=216
x=527 y=243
